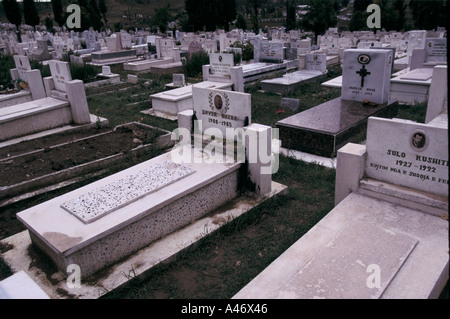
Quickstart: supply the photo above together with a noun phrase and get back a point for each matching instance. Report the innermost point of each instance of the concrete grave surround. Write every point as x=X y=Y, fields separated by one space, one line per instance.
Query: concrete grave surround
x=103 y=242
x=415 y=155
x=366 y=75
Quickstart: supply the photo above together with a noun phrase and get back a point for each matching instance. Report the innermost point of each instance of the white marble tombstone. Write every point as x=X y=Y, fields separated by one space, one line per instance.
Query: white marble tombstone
x=366 y=75
x=60 y=72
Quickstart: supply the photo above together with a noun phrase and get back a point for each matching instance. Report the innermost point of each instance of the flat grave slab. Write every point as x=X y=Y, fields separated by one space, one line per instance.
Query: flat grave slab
x=291 y=81
x=323 y=129
x=337 y=257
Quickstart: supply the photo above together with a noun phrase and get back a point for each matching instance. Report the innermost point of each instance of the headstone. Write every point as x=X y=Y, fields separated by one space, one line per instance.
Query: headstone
x=41 y=53
x=178 y=79
x=290 y=104
x=366 y=75
x=132 y=78
x=76 y=59
x=416 y=40
x=221 y=109
x=125 y=40
x=23 y=65
x=60 y=72
x=316 y=62
x=166 y=47
x=194 y=47
x=415 y=155
x=220 y=63
x=271 y=52
x=304 y=46
x=436 y=50
x=106 y=70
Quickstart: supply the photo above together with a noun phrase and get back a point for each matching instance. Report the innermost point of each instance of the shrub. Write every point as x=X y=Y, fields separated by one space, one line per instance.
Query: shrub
x=192 y=66
x=85 y=73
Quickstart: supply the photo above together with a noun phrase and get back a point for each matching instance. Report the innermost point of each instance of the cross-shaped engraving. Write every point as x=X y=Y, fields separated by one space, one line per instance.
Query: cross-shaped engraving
x=363 y=73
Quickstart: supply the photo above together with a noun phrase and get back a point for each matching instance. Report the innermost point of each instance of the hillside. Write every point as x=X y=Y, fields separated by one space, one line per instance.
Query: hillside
x=117 y=9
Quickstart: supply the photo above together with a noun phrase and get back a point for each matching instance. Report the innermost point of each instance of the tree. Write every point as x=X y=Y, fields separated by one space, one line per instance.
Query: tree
x=49 y=24
x=103 y=9
x=358 y=22
x=208 y=15
x=90 y=14
x=30 y=13
x=389 y=16
x=57 y=12
x=320 y=17
x=12 y=11
x=241 y=23
x=408 y=18
x=291 y=20
x=161 y=18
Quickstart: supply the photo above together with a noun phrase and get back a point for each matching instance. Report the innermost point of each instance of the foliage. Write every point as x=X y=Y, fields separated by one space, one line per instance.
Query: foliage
x=192 y=66
x=85 y=72
x=57 y=12
x=103 y=9
x=241 y=23
x=49 y=25
x=401 y=15
x=30 y=13
x=208 y=15
x=161 y=18
x=12 y=11
x=291 y=17
x=247 y=49
x=320 y=17
x=90 y=14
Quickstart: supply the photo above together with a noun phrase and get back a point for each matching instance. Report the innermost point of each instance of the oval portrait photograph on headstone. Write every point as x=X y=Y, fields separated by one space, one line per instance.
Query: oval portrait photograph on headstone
x=218 y=102
x=418 y=140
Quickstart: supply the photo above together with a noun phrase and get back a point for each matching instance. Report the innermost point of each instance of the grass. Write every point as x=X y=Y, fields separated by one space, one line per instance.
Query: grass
x=225 y=261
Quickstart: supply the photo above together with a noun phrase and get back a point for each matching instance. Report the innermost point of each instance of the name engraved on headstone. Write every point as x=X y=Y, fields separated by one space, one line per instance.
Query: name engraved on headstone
x=221 y=109
x=415 y=155
x=220 y=63
x=436 y=49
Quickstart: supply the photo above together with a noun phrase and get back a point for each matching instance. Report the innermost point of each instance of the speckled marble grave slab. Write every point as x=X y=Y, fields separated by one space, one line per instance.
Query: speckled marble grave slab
x=103 y=200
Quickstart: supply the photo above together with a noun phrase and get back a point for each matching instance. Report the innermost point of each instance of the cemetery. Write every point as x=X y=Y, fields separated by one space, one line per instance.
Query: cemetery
x=316 y=168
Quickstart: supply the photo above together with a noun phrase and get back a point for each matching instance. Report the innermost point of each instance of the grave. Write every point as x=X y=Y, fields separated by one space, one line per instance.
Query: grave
x=314 y=70
x=41 y=53
x=413 y=86
x=220 y=74
x=323 y=129
x=161 y=200
x=106 y=77
x=387 y=237
x=33 y=88
x=178 y=80
x=167 y=59
x=65 y=103
x=114 y=54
